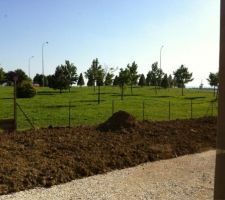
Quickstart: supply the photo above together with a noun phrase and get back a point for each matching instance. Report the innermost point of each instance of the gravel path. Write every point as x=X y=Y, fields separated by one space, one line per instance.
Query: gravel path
x=188 y=177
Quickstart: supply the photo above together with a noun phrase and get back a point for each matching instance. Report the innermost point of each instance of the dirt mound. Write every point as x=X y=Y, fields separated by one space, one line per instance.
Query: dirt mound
x=118 y=121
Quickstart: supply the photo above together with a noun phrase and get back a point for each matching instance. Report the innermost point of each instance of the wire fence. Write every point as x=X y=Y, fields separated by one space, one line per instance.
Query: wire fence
x=90 y=113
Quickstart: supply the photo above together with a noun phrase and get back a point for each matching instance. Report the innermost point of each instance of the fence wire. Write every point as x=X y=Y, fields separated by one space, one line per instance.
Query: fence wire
x=90 y=113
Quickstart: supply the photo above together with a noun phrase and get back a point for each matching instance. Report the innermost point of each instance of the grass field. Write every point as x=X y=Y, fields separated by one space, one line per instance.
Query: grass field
x=49 y=107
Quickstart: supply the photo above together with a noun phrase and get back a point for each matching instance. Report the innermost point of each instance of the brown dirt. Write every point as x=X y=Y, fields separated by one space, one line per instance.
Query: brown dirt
x=119 y=121
x=52 y=156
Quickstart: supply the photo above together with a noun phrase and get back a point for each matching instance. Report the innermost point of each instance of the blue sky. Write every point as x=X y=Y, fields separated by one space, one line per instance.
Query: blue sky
x=117 y=32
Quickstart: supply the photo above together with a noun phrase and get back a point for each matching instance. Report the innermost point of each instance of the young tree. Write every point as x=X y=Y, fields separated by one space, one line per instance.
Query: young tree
x=50 y=80
x=213 y=81
x=149 y=79
x=123 y=79
x=99 y=80
x=38 y=79
x=133 y=75
x=170 y=81
x=109 y=79
x=25 y=90
x=22 y=76
x=9 y=77
x=95 y=75
x=201 y=86
x=80 y=81
x=19 y=73
x=92 y=73
x=142 y=81
x=165 y=82
x=70 y=72
x=154 y=77
x=59 y=80
x=90 y=77
x=116 y=81
x=182 y=76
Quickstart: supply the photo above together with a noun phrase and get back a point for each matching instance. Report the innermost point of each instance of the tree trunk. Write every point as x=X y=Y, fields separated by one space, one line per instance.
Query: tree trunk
x=155 y=90
x=214 y=91
x=99 y=94
x=122 y=92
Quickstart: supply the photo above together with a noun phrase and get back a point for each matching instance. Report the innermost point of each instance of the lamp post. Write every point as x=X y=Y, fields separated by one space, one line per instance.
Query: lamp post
x=43 y=69
x=160 y=63
x=15 y=79
x=29 y=64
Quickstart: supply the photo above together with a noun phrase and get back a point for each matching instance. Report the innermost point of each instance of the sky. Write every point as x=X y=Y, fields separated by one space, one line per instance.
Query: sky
x=117 y=32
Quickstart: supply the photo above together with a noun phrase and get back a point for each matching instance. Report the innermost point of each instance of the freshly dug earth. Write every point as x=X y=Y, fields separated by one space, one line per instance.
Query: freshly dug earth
x=46 y=157
x=118 y=121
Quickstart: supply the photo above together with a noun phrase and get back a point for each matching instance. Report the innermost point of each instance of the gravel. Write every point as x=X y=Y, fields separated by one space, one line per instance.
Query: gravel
x=187 y=177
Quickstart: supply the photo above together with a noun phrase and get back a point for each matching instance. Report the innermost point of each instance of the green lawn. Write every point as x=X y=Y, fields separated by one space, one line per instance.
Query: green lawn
x=49 y=107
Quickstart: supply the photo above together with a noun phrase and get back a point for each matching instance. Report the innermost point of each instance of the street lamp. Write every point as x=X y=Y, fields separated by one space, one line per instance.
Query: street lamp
x=43 y=69
x=160 y=56
x=29 y=64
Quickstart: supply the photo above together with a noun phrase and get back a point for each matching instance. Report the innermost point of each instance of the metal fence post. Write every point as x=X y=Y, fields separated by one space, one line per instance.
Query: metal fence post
x=212 y=108
x=169 y=110
x=69 y=114
x=15 y=78
x=143 y=110
x=191 y=109
x=112 y=107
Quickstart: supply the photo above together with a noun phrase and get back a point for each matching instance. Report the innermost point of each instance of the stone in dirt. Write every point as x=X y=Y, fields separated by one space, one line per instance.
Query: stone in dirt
x=118 y=121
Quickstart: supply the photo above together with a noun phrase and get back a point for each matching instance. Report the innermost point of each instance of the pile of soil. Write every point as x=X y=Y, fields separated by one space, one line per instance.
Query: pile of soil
x=44 y=157
x=119 y=121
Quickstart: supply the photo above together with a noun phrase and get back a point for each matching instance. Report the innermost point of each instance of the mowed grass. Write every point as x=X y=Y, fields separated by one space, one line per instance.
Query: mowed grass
x=49 y=107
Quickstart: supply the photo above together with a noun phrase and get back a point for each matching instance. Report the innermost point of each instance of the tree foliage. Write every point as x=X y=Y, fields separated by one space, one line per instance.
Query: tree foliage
x=80 y=81
x=165 y=81
x=19 y=73
x=123 y=80
x=2 y=76
x=38 y=79
x=213 y=80
x=116 y=81
x=182 y=76
x=95 y=74
x=70 y=72
x=64 y=77
x=50 y=80
x=133 y=75
x=142 y=81
x=109 y=79
x=155 y=75
x=25 y=90
x=170 y=81
x=100 y=76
